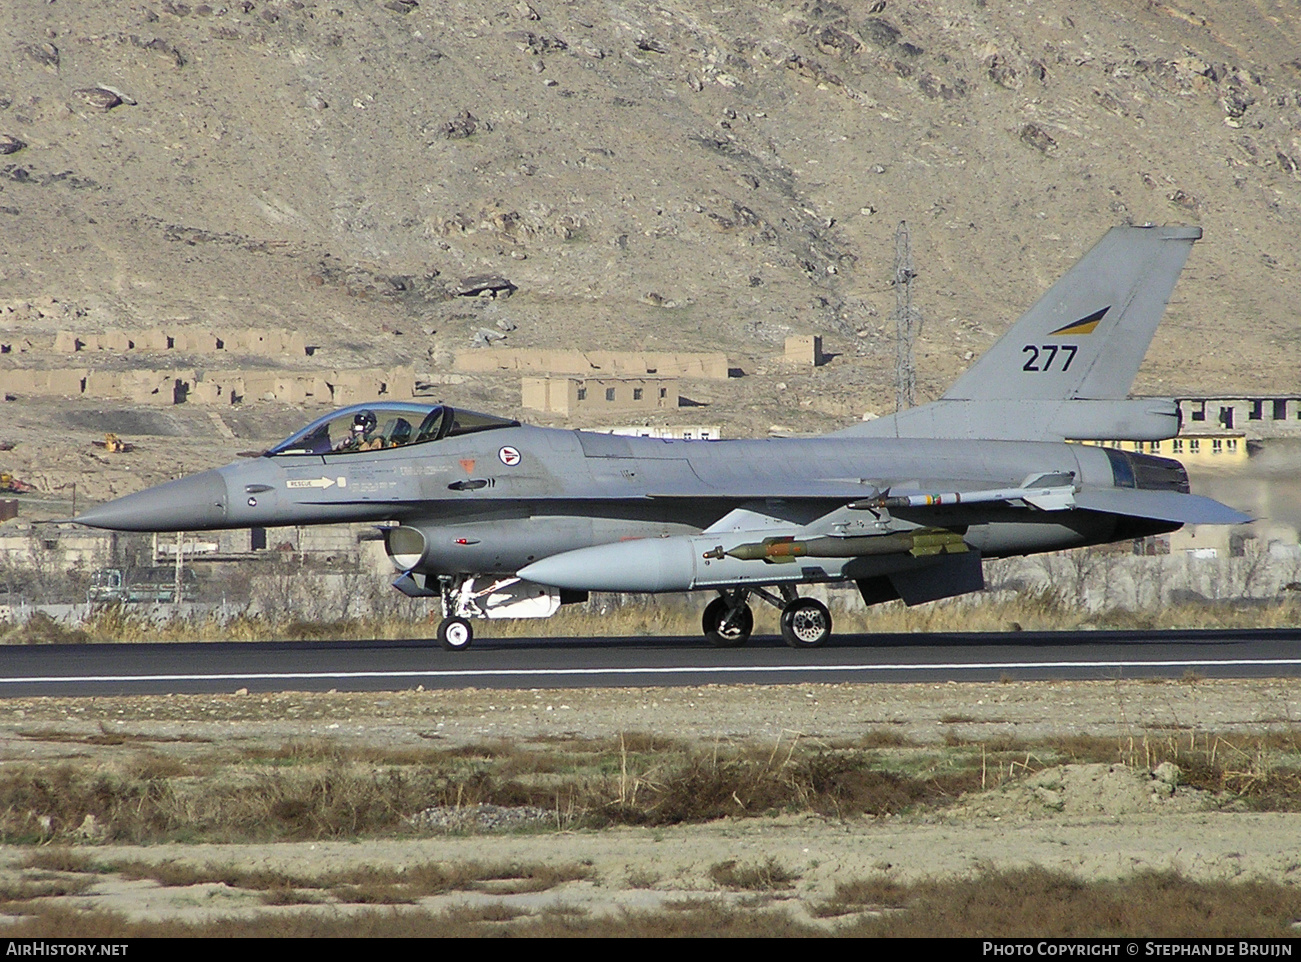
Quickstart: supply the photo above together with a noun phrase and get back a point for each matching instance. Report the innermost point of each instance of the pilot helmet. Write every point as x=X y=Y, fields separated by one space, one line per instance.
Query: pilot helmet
x=363 y=422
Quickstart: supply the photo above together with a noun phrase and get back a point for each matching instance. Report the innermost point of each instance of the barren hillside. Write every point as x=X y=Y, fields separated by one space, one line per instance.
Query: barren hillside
x=649 y=175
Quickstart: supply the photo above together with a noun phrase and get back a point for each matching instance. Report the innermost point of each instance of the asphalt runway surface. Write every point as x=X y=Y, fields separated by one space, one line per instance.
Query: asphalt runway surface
x=176 y=668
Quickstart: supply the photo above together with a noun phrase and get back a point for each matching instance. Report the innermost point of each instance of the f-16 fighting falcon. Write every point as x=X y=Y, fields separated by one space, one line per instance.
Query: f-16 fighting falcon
x=499 y=519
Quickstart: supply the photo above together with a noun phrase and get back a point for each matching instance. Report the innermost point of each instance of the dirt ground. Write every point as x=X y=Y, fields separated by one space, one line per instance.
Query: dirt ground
x=1096 y=821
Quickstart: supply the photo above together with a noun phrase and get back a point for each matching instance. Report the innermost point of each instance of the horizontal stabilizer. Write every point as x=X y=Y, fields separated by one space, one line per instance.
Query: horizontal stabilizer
x=1159 y=506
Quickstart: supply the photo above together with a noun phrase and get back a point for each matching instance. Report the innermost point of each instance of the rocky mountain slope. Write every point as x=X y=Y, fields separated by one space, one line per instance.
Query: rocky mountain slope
x=650 y=174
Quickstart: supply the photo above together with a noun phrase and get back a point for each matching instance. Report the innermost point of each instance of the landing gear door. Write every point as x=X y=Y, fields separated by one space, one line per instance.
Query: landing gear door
x=505 y=598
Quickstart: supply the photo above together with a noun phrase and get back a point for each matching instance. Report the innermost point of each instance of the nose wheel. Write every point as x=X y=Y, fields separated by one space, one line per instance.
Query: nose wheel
x=455 y=634
x=806 y=623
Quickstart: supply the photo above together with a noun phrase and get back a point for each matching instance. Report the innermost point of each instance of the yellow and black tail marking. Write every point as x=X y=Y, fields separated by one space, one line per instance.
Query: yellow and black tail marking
x=1084 y=325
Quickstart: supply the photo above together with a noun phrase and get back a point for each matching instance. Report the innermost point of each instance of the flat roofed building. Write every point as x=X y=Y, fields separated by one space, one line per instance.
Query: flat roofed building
x=804 y=349
x=676 y=432
x=599 y=363
x=1256 y=417
x=1204 y=450
x=576 y=395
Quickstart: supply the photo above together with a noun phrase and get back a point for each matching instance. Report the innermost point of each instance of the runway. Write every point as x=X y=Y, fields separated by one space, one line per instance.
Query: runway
x=174 y=668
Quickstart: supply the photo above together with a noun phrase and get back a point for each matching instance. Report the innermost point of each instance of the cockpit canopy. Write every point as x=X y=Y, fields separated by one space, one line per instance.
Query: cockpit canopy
x=385 y=424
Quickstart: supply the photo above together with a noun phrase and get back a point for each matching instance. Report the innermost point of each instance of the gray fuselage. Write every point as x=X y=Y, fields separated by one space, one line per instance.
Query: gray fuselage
x=496 y=500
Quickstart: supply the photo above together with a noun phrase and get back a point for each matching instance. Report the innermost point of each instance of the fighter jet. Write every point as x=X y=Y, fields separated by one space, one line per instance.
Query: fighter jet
x=500 y=519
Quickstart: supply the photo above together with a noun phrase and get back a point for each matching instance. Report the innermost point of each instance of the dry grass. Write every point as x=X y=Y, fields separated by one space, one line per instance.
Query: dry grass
x=766 y=876
x=1041 y=610
x=1037 y=902
x=105 y=736
x=642 y=878
x=361 y=885
x=41 y=629
x=876 y=894
x=27 y=888
x=1031 y=902
x=706 y=786
x=319 y=789
x=1262 y=772
x=702 y=919
x=58 y=858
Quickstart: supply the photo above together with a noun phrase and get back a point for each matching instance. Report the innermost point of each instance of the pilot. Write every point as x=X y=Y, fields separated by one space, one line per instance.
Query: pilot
x=359 y=436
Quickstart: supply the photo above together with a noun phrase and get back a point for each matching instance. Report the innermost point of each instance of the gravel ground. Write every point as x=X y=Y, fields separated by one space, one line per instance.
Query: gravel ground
x=922 y=713
x=1092 y=820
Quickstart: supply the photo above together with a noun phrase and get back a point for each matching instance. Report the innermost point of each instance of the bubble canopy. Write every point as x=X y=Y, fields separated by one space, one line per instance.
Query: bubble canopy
x=383 y=425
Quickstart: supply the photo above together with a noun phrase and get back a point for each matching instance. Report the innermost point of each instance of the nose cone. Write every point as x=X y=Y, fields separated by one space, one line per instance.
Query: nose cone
x=195 y=503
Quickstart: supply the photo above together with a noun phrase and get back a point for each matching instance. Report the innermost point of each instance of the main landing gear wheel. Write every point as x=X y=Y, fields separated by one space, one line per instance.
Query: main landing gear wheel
x=720 y=633
x=455 y=634
x=806 y=623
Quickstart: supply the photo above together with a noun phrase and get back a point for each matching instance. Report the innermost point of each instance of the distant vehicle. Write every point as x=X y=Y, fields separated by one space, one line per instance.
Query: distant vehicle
x=139 y=586
x=499 y=519
x=11 y=485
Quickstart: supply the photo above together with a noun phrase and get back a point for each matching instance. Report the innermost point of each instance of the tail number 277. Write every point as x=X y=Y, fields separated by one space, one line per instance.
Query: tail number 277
x=1048 y=352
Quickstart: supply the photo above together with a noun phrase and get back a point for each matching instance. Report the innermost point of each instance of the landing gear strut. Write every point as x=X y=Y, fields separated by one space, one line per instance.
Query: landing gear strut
x=454 y=631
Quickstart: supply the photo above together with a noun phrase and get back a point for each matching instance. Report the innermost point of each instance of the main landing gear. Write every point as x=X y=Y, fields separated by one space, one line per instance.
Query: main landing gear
x=728 y=620
x=806 y=623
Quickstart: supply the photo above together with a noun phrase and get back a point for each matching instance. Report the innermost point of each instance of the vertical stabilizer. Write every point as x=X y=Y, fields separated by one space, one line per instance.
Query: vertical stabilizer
x=1064 y=369
x=1086 y=337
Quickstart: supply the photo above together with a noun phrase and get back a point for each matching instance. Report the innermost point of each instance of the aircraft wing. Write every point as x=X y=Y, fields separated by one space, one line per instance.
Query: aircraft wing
x=1159 y=505
x=1048 y=493
x=760 y=489
x=1043 y=493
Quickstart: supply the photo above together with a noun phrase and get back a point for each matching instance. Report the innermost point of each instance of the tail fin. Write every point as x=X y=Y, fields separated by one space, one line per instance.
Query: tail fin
x=1065 y=368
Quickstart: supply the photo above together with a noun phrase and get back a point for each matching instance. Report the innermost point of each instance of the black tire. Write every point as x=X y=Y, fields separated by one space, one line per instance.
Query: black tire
x=806 y=623
x=455 y=634
x=736 y=634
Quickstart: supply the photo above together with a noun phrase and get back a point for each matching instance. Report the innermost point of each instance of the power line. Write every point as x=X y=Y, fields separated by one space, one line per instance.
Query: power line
x=907 y=321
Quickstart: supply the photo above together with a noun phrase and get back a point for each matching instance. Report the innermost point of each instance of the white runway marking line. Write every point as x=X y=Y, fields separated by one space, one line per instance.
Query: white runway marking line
x=704 y=670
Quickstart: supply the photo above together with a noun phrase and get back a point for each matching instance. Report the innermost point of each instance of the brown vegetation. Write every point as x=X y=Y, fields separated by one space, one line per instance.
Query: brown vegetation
x=766 y=876
x=1028 y=902
x=364 y=885
x=1032 y=611
x=321 y=790
x=1034 y=901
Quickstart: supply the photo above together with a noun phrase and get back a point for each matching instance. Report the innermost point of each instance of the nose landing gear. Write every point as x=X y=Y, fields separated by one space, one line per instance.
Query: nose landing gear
x=455 y=634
